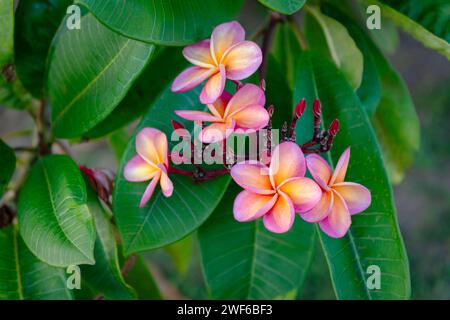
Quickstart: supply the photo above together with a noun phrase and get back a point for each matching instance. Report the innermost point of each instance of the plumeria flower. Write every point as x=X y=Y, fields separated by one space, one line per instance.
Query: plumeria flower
x=225 y=55
x=277 y=191
x=245 y=110
x=340 y=199
x=150 y=163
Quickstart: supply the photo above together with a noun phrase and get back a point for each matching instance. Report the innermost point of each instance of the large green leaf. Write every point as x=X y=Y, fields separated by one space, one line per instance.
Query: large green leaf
x=163 y=220
x=419 y=32
x=374 y=237
x=7 y=34
x=245 y=261
x=36 y=23
x=164 y=22
x=284 y=6
x=7 y=166
x=331 y=39
x=180 y=252
x=54 y=219
x=434 y=15
x=90 y=72
x=13 y=94
x=104 y=277
x=23 y=276
x=158 y=75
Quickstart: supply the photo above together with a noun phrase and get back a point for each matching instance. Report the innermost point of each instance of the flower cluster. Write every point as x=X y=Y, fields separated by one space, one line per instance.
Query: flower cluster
x=276 y=189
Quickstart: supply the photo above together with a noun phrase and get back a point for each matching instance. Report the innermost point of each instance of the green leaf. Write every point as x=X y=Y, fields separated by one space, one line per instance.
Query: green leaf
x=163 y=220
x=245 y=261
x=164 y=22
x=140 y=278
x=284 y=6
x=12 y=93
x=104 y=277
x=331 y=39
x=7 y=166
x=36 y=24
x=118 y=141
x=374 y=237
x=181 y=252
x=54 y=218
x=416 y=30
x=7 y=34
x=434 y=15
x=158 y=75
x=90 y=72
x=23 y=276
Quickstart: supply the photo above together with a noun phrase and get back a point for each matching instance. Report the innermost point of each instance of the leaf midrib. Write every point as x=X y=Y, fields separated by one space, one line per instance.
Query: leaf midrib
x=17 y=265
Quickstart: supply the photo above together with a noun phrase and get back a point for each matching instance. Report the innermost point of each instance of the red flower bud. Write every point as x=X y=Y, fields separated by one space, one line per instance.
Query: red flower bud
x=300 y=108
x=334 y=127
x=176 y=125
x=262 y=84
x=317 y=108
x=270 y=110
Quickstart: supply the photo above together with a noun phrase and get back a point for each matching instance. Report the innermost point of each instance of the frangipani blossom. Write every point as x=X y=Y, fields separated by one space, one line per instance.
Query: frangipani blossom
x=225 y=55
x=150 y=163
x=245 y=110
x=340 y=199
x=277 y=191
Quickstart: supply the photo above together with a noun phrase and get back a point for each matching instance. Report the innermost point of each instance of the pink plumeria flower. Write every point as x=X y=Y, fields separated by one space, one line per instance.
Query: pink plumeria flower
x=277 y=191
x=245 y=111
x=225 y=55
x=150 y=163
x=340 y=199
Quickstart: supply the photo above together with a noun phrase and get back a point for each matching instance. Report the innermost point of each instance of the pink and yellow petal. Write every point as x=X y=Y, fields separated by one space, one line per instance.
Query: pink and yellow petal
x=319 y=169
x=341 y=167
x=281 y=217
x=214 y=87
x=304 y=193
x=250 y=206
x=216 y=132
x=218 y=107
x=338 y=221
x=149 y=190
x=287 y=162
x=199 y=54
x=166 y=185
x=151 y=145
x=252 y=177
x=242 y=60
x=321 y=210
x=248 y=95
x=191 y=77
x=224 y=36
x=356 y=196
x=193 y=115
x=137 y=170
x=253 y=117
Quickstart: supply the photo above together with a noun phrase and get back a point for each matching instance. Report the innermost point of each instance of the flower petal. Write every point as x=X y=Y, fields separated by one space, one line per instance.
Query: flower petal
x=341 y=168
x=217 y=132
x=281 y=217
x=218 y=107
x=338 y=221
x=166 y=184
x=242 y=60
x=253 y=177
x=199 y=54
x=213 y=87
x=190 y=78
x=149 y=190
x=248 y=95
x=252 y=117
x=250 y=206
x=303 y=192
x=321 y=210
x=319 y=169
x=356 y=196
x=287 y=162
x=197 y=115
x=224 y=36
x=151 y=145
x=137 y=170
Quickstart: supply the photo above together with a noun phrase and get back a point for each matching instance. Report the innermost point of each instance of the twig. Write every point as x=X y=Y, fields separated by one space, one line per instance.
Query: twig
x=267 y=40
x=129 y=264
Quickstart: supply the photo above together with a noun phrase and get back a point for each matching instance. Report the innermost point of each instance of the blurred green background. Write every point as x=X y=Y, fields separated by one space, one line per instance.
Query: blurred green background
x=423 y=198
